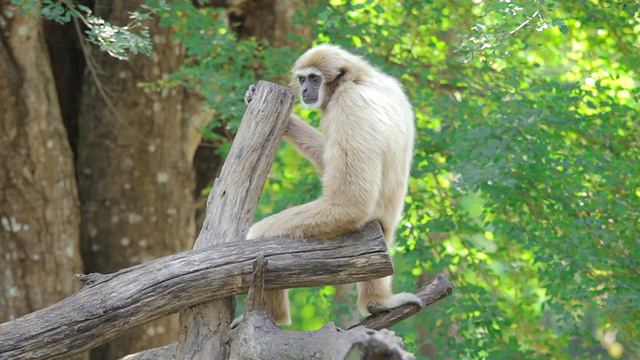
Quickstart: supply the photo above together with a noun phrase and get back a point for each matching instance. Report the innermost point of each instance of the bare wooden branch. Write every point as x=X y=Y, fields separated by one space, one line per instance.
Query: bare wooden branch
x=255 y=297
x=258 y=337
x=379 y=344
x=230 y=210
x=432 y=292
x=111 y=304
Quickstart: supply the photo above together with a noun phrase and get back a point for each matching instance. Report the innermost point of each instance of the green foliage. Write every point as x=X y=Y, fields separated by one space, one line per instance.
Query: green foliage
x=117 y=41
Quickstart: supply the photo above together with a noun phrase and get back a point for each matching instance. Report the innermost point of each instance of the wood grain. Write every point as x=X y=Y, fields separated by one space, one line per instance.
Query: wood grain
x=111 y=304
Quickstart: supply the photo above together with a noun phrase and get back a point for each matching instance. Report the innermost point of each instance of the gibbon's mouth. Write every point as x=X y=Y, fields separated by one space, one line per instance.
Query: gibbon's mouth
x=309 y=100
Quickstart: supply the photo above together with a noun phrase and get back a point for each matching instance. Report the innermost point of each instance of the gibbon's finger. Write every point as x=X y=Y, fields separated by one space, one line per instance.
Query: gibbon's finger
x=248 y=96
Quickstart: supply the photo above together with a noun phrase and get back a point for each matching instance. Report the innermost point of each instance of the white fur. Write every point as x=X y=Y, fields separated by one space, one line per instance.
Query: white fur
x=364 y=154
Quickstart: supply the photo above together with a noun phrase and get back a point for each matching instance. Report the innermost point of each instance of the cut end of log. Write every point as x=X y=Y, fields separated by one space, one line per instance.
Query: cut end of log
x=255 y=298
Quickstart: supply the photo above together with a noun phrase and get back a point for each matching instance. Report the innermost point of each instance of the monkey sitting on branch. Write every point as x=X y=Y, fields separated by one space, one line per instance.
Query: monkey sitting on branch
x=364 y=154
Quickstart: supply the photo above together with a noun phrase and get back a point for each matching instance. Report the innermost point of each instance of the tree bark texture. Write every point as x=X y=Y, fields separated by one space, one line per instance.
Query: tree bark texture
x=111 y=304
x=39 y=217
x=231 y=208
x=258 y=337
x=134 y=168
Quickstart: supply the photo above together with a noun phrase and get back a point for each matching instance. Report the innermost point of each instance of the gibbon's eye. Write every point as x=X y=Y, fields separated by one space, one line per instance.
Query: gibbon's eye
x=301 y=79
x=314 y=78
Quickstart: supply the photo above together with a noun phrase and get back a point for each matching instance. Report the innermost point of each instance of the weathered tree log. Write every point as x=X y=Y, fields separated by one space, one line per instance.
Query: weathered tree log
x=230 y=210
x=258 y=337
x=111 y=304
x=366 y=344
x=255 y=297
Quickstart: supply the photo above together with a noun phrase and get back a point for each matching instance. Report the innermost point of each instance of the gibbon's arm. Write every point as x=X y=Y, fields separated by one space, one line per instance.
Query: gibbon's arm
x=307 y=140
x=351 y=182
x=304 y=137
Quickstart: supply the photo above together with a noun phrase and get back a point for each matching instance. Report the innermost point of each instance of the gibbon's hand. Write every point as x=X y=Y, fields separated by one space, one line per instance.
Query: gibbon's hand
x=248 y=96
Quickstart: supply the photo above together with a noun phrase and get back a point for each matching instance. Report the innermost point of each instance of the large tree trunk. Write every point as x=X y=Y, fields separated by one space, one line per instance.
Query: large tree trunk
x=39 y=217
x=134 y=165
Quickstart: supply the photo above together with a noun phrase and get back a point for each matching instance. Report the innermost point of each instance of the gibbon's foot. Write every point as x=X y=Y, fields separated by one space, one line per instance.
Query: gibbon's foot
x=248 y=96
x=393 y=302
x=234 y=324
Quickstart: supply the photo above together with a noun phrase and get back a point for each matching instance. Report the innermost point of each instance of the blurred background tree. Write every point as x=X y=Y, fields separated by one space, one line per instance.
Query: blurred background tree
x=525 y=186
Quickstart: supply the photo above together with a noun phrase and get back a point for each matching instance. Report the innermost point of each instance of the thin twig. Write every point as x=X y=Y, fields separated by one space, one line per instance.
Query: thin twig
x=521 y=25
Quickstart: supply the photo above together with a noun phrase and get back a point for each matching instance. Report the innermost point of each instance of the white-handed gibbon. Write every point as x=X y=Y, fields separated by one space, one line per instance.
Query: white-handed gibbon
x=363 y=152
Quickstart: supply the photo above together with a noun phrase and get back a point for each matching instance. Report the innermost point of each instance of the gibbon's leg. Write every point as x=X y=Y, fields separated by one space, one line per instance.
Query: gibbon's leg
x=373 y=293
x=308 y=140
x=278 y=306
x=375 y=296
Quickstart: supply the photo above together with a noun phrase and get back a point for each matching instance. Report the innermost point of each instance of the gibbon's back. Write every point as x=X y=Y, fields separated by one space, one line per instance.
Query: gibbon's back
x=384 y=116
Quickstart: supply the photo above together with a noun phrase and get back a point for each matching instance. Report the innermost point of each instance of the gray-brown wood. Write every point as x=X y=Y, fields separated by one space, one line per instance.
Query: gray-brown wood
x=255 y=297
x=258 y=337
x=111 y=304
x=230 y=211
x=432 y=292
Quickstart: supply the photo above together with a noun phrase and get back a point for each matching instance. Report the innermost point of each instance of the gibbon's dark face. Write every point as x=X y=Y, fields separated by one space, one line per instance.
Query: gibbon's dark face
x=310 y=85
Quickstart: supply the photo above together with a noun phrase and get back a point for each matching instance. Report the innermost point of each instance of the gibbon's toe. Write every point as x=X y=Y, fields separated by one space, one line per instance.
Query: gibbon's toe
x=248 y=96
x=234 y=324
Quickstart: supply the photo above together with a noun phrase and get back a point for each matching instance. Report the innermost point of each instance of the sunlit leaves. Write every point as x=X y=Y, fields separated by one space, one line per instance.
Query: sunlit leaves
x=117 y=41
x=531 y=129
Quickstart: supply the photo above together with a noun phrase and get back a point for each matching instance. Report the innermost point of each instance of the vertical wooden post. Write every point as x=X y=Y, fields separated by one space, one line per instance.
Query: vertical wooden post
x=230 y=211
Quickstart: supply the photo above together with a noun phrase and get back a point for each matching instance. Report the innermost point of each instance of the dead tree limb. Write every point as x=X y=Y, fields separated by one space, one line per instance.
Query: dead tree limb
x=111 y=304
x=255 y=297
x=230 y=210
x=258 y=337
